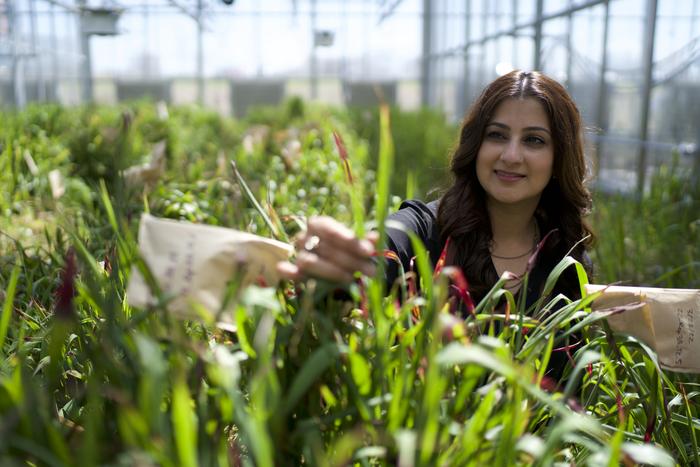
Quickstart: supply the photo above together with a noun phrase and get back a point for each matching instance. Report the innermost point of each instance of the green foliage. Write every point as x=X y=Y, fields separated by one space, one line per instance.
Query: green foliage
x=423 y=140
x=291 y=112
x=654 y=240
x=85 y=379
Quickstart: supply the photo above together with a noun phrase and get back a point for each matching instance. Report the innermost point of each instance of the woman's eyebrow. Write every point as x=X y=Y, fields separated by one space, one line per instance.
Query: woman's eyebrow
x=529 y=128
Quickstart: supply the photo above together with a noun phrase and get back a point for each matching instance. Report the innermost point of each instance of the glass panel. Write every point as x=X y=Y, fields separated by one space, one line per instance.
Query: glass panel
x=456 y=27
x=473 y=86
x=524 y=49
x=626 y=37
x=676 y=26
x=587 y=49
x=555 y=6
x=490 y=62
x=448 y=93
x=504 y=15
x=505 y=56
x=625 y=50
x=526 y=11
x=477 y=23
x=620 y=147
x=489 y=17
x=675 y=108
x=554 y=52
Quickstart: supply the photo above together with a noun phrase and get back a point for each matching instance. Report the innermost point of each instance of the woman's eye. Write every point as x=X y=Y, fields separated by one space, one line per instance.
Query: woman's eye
x=536 y=140
x=495 y=135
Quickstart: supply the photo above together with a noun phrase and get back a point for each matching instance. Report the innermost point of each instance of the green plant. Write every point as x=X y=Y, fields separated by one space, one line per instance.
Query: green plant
x=423 y=141
x=654 y=240
x=86 y=379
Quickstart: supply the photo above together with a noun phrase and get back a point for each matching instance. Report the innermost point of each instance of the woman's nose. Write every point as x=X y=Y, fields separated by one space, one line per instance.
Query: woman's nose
x=512 y=152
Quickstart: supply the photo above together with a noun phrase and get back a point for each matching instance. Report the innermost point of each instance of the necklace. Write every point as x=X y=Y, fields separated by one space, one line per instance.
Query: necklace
x=513 y=257
x=535 y=239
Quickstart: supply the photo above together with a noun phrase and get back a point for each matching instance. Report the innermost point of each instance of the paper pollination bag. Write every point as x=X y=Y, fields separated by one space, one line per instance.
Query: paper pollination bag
x=667 y=320
x=194 y=263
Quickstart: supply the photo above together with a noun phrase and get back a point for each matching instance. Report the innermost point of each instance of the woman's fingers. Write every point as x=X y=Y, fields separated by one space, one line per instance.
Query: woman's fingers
x=314 y=265
x=289 y=271
x=311 y=265
x=373 y=237
x=340 y=237
x=342 y=257
x=330 y=250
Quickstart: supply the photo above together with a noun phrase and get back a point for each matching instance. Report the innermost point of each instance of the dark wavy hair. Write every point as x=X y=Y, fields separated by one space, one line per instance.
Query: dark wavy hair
x=462 y=213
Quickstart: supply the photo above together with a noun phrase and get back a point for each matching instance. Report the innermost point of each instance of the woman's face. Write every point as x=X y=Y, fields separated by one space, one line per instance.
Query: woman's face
x=515 y=160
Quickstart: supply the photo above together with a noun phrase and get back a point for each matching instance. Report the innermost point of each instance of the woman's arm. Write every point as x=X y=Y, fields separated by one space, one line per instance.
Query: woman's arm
x=330 y=250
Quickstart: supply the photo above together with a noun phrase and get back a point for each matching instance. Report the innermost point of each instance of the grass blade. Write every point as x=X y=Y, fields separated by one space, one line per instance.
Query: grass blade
x=184 y=424
x=315 y=365
x=7 y=306
x=276 y=230
x=384 y=168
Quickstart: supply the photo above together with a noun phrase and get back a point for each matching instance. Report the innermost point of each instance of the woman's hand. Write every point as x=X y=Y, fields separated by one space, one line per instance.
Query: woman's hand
x=329 y=250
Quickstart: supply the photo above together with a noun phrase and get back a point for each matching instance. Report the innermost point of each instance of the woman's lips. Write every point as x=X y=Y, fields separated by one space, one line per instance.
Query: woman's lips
x=508 y=176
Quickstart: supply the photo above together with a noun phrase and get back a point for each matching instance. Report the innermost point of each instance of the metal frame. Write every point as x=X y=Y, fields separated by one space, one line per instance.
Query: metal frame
x=434 y=57
x=430 y=56
x=93 y=21
x=196 y=10
x=602 y=110
x=649 y=34
x=23 y=46
x=426 y=71
x=460 y=50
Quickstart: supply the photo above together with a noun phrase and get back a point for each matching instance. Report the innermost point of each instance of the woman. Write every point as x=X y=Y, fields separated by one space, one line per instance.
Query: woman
x=519 y=173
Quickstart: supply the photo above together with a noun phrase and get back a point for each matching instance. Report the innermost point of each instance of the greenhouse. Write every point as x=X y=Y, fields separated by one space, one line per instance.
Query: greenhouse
x=349 y=232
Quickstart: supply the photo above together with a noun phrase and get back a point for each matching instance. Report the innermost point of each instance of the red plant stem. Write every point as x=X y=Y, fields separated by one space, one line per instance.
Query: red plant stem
x=343 y=153
x=441 y=260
